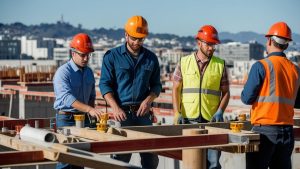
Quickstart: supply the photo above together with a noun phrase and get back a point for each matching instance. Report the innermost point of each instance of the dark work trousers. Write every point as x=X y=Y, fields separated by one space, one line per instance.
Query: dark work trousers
x=275 y=148
x=213 y=156
x=148 y=160
x=68 y=120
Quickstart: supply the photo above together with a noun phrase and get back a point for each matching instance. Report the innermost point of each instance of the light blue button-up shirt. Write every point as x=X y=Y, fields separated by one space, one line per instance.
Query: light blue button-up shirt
x=71 y=84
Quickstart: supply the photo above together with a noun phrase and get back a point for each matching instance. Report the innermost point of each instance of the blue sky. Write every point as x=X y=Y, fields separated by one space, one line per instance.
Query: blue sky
x=181 y=17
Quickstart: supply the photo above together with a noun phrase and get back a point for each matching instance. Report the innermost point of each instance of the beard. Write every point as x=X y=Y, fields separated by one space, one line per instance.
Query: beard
x=135 y=47
x=207 y=53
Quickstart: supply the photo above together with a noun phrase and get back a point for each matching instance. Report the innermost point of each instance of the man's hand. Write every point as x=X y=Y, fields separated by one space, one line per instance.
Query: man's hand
x=177 y=118
x=218 y=116
x=95 y=113
x=144 y=108
x=119 y=114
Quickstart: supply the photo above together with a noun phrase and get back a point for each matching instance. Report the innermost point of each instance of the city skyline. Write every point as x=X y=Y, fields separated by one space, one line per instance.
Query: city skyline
x=182 y=18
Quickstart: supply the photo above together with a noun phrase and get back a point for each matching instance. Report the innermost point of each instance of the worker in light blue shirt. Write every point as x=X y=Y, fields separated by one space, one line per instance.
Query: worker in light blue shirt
x=74 y=88
x=130 y=81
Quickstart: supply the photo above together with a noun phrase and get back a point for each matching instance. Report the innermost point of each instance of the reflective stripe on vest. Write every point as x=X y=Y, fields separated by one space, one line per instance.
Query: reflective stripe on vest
x=273 y=97
x=200 y=98
x=276 y=98
x=204 y=91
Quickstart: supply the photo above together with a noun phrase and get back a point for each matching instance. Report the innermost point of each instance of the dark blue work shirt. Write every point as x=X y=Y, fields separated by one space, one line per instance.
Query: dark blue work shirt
x=255 y=80
x=130 y=82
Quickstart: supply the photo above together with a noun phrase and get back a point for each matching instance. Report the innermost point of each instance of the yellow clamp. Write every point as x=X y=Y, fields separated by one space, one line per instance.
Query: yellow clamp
x=242 y=117
x=102 y=125
x=236 y=127
x=79 y=117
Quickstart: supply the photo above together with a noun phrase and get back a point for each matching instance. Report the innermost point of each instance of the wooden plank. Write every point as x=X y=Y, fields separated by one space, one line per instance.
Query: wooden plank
x=241 y=137
x=16 y=157
x=58 y=152
x=93 y=134
x=156 y=144
x=18 y=144
x=132 y=134
x=93 y=162
x=176 y=154
x=172 y=130
x=88 y=159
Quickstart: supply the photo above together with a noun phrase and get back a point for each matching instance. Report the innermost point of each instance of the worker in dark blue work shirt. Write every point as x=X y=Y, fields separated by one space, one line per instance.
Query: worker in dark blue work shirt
x=271 y=89
x=130 y=81
x=74 y=88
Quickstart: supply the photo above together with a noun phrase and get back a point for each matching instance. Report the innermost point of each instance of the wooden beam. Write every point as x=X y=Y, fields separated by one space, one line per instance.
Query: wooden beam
x=132 y=134
x=10 y=124
x=58 y=152
x=241 y=137
x=155 y=144
x=16 y=157
x=173 y=130
x=93 y=134
x=92 y=160
x=18 y=144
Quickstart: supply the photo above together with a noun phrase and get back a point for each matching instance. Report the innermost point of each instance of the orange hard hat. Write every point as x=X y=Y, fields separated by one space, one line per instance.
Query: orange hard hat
x=208 y=34
x=82 y=43
x=137 y=27
x=280 y=29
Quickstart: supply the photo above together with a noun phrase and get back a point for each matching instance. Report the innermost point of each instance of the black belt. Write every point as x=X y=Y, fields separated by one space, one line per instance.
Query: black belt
x=268 y=125
x=132 y=108
x=69 y=113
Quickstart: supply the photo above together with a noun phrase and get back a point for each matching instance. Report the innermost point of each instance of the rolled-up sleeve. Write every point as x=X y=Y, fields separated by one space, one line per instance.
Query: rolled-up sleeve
x=106 y=79
x=253 y=84
x=62 y=89
x=155 y=84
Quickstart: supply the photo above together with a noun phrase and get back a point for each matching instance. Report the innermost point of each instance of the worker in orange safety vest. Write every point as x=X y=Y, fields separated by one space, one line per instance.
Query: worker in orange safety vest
x=271 y=89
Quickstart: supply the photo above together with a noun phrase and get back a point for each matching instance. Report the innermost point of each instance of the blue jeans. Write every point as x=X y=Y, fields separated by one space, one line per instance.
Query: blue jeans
x=213 y=156
x=68 y=120
x=148 y=160
x=275 y=148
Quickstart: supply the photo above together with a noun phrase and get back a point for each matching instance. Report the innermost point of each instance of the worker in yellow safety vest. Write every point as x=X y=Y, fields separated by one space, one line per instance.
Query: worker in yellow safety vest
x=201 y=87
x=271 y=89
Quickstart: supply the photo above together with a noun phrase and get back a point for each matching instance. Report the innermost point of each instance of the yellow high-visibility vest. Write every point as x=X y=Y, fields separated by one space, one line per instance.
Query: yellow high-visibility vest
x=200 y=94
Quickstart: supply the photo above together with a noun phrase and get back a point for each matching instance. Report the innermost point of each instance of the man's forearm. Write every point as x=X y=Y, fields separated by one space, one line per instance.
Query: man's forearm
x=151 y=98
x=224 y=100
x=176 y=96
x=81 y=106
x=109 y=97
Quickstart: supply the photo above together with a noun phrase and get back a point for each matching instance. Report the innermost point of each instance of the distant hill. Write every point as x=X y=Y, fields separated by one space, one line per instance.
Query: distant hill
x=66 y=30
x=248 y=36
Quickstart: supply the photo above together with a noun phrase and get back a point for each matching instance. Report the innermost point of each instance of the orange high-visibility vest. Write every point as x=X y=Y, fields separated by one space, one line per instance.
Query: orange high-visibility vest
x=276 y=99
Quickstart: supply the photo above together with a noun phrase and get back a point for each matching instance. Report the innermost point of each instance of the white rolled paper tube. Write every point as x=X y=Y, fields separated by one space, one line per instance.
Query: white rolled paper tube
x=31 y=134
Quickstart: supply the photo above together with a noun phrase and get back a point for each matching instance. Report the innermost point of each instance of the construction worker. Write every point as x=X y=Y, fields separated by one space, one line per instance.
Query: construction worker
x=271 y=89
x=74 y=87
x=201 y=87
x=130 y=81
